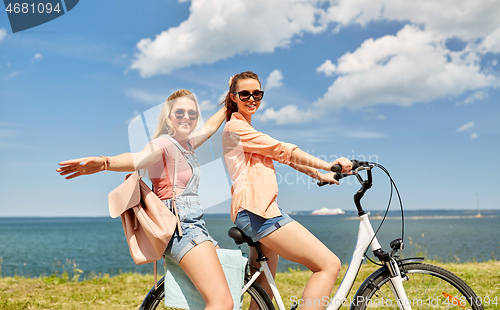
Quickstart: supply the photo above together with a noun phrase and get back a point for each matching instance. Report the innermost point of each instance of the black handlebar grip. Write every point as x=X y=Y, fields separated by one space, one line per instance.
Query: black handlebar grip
x=337 y=177
x=358 y=163
x=336 y=168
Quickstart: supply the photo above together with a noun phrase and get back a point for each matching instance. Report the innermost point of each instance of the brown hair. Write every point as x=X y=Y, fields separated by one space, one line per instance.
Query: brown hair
x=231 y=106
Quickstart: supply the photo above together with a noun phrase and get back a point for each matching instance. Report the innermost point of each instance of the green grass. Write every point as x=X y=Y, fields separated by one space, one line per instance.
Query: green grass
x=126 y=291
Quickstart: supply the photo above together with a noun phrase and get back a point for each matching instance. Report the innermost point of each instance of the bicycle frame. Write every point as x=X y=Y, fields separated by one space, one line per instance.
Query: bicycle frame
x=366 y=237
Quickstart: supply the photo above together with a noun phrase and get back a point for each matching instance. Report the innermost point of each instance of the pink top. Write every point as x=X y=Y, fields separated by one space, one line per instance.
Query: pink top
x=249 y=156
x=162 y=185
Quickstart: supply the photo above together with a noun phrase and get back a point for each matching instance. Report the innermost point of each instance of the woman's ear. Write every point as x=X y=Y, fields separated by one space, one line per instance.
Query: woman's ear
x=232 y=97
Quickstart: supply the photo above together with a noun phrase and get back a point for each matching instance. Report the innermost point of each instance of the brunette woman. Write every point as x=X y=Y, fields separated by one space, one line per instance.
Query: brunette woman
x=195 y=250
x=249 y=156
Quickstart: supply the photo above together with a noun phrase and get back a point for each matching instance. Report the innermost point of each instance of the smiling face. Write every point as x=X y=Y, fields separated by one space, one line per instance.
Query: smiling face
x=186 y=124
x=247 y=108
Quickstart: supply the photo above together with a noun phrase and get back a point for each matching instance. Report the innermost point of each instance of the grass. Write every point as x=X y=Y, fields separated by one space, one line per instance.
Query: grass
x=126 y=291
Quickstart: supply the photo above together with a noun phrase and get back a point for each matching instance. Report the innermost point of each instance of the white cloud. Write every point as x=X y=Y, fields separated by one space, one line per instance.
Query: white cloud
x=219 y=29
x=403 y=69
x=478 y=95
x=413 y=66
x=289 y=114
x=212 y=32
x=3 y=33
x=467 y=126
x=145 y=97
x=328 y=68
x=274 y=80
x=13 y=74
x=463 y=19
x=474 y=135
x=205 y=105
x=491 y=42
x=37 y=56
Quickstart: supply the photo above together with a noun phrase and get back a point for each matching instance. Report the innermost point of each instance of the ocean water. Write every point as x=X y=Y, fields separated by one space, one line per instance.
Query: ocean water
x=45 y=246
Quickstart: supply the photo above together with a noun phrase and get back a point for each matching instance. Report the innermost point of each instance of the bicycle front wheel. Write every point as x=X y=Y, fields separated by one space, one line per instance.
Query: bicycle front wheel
x=155 y=298
x=427 y=287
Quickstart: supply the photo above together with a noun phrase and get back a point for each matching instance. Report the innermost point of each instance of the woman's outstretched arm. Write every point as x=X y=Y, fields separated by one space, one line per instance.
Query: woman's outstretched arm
x=304 y=159
x=315 y=174
x=124 y=162
x=210 y=127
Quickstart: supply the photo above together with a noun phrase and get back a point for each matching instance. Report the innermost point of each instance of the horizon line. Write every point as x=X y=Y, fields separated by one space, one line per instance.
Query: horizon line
x=350 y=211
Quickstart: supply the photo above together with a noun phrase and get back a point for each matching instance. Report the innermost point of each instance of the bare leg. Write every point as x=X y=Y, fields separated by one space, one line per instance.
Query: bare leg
x=202 y=266
x=295 y=243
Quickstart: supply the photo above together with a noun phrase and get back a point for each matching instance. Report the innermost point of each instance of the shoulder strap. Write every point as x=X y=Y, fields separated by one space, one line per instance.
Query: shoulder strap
x=176 y=168
x=190 y=146
x=174 y=192
x=174 y=207
x=174 y=185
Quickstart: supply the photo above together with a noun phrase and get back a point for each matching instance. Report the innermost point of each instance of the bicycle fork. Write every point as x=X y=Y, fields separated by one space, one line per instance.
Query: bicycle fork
x=366 y=238
x=397 y=285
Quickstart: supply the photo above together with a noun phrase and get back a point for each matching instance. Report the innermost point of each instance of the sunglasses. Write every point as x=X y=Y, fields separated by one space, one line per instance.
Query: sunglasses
x=245 y=95
x=179 y=114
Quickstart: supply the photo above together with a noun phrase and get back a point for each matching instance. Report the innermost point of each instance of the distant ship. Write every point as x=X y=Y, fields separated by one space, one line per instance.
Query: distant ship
x=326 y=211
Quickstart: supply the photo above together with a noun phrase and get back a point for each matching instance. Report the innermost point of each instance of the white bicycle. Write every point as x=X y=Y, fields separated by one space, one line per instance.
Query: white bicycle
x=403 y=284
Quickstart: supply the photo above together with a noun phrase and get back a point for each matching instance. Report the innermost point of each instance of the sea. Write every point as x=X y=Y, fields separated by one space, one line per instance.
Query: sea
x=85 y=247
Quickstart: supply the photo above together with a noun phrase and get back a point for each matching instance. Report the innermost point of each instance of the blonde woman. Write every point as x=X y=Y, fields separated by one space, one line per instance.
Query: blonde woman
x=249 y=156
x=195 y=250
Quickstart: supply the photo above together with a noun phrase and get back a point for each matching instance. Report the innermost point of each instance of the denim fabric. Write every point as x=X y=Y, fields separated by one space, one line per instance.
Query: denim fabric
x=190 y=211
x=257 y=227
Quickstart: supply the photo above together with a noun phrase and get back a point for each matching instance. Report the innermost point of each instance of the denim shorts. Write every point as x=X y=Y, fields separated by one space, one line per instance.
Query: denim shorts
x=193 y=228
x=257 y=227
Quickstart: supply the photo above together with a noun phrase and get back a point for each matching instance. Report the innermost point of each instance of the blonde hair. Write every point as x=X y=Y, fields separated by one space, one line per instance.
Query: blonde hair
x=164 y=126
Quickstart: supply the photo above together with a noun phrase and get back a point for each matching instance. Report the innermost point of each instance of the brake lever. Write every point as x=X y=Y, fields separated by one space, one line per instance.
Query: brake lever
x=361 y=168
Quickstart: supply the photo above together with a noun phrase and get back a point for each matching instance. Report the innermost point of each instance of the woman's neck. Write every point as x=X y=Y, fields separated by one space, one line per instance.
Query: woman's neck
x=248 y=118
x=180 y=137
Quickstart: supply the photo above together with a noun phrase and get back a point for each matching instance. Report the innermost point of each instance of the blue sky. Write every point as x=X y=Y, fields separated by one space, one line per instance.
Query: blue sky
x=412 y=85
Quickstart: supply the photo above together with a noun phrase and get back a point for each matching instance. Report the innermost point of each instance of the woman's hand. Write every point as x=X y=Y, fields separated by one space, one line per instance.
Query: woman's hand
x=81 y=166
x=345 y=163
x=327 y=178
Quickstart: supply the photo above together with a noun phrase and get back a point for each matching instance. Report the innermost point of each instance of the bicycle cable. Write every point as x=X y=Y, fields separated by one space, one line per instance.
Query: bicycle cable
x=393 y=186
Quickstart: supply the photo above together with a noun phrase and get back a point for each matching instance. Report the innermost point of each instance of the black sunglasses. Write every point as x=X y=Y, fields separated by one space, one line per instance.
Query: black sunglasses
x=179 y=114
x=245 y=95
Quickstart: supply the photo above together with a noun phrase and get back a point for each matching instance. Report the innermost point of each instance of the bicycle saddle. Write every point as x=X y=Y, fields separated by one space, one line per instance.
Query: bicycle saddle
x=238 y=236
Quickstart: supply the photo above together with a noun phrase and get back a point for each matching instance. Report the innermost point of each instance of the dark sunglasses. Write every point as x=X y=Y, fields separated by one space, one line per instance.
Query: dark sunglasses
x=179 y=114
x=245 y=95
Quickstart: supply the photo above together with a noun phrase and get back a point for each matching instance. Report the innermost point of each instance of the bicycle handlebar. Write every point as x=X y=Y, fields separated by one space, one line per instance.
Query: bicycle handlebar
x=338 y=168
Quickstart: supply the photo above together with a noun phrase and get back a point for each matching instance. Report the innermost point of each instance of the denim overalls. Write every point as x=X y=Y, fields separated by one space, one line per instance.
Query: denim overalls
x=190 y=212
